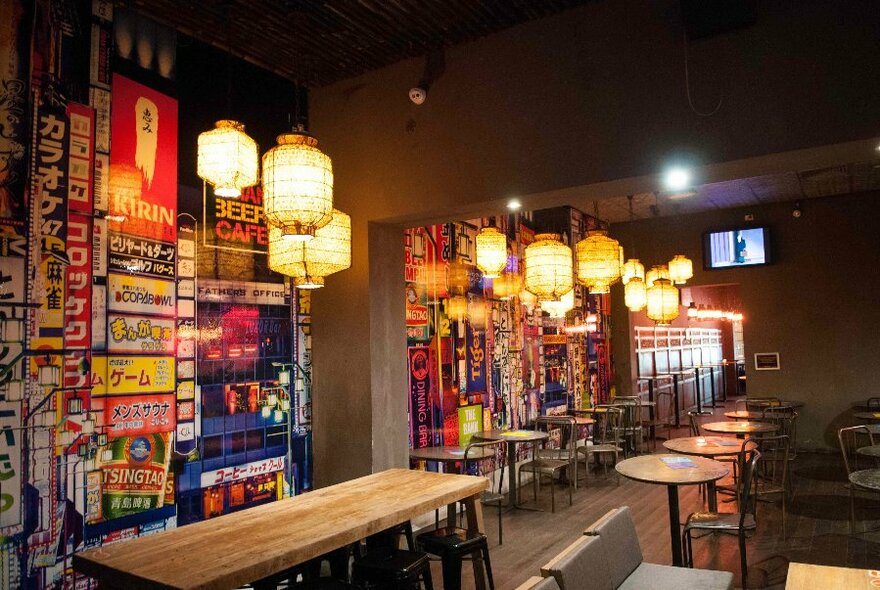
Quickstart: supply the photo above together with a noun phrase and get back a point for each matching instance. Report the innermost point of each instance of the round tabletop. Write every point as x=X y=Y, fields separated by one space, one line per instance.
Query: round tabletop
x=870 y=451
x=659 y=469
x=738 y=427
x=783 y=403
x=866 y=478
x=449 y=454
x=744 y=415
x=704 y=446
x=863 y=405
x=867 y=415
x=512 y=436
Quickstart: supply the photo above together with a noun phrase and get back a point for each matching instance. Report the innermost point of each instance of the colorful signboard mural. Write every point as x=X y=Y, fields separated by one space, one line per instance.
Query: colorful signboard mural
x=134 y=474
x=135 y=294
x=126 y=375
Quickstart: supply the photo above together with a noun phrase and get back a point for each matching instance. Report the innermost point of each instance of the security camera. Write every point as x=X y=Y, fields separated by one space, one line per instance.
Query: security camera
x=418 y=95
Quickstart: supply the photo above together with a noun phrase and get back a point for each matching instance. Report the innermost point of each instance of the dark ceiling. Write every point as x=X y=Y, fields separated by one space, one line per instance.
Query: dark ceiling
x=317 y=42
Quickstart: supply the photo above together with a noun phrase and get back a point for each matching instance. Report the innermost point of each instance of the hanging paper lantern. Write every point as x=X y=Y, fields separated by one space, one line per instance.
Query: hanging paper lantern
x=310 y=262
x=297 y=186
x=633 y=268
x=476 y=311
x=228 y=159
x=680 y=269
x=457 y=307
x=491 y=252
x=548 y=267
x=598 y=261
x=458 y=278
x=527 y=298
x=507 y=286
x=559 y=307
x=656 y=272
x=635 y=295
x=662 y=302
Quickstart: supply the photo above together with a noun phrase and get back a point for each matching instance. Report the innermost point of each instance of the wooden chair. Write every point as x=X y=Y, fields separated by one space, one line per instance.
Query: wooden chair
x=551 y=461
x=847 y=437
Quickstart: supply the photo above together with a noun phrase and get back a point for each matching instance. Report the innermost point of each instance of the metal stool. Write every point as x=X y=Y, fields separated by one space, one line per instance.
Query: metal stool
x=395 y=569
x=452 y=544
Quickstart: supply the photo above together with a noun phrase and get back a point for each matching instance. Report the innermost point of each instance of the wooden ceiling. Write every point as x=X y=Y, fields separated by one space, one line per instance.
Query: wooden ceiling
x=317 y=42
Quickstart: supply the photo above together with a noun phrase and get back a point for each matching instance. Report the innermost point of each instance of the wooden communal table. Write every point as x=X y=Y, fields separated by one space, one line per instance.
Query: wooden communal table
x=807 y=576
x=739 y=428
x=653 y=469
x=231 y=550
x=449 y=455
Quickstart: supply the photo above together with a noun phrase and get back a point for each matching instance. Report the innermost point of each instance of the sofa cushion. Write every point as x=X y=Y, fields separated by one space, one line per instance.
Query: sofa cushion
x=547 y=584
x=618 y=533
x=581 y=566
x=667 y=577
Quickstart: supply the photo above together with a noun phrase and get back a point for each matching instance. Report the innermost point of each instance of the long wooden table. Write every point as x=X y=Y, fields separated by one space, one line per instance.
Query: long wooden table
x=807 y=576
x=246 y=546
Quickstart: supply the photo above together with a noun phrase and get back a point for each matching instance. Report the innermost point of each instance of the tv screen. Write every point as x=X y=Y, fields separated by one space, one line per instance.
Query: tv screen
x=736 y=247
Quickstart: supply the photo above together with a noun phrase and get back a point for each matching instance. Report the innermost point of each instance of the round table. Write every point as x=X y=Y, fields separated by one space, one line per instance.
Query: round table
x=654 y=469
x=783 y=403
x=866 y=478
x=863 y=405
x=744 y=415
x=739 y=428
x=449 y=455
x=869 y=451
x=867 y=415
x=513 y=438
x=713 y=446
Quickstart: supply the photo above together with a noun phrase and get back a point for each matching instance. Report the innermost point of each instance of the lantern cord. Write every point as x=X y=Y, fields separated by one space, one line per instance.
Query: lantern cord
x=631 y=219
x=229 y=61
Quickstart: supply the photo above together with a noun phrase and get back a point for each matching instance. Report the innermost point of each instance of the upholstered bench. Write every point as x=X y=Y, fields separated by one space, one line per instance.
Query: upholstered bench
x=609 y=557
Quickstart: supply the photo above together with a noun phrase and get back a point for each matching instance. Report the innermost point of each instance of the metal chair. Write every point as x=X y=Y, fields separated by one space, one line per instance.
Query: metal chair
x=757 y=404
x=554 y=458
x=846 y=447
x=605 y=439
x=786 y=419
x=738 y=523
x=772 y=477
x=873 y=403
x=632 y=428
x=694 y=422
x=493 y=469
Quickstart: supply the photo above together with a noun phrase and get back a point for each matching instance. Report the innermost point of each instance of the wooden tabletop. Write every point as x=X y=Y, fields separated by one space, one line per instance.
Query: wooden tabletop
x=867 y=415
x=744 y=415
x=870 y=451
x=807 y=576
x=240 y=547
x=512 y=436
x=783 y=403
x=739 y=427
x=449 y=454
x=653 y=469
x=867 y=478
x=704 y=446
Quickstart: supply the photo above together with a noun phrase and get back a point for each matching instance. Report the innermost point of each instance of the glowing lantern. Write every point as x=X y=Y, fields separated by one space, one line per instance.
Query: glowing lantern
x=506 y=286
x=657 y=272
x=559 y=307
x=476 y=312
x=491 y=252
x=435 y=282
x=457 y=307
x=598 y=261
x=635 y=295
x=310 y=262
x=458 y=278
x=528 y=299
x=228 y=159
x=548 y=267
x=662 y=302
x=680 y=269
x=297 y=186
x=633 y=268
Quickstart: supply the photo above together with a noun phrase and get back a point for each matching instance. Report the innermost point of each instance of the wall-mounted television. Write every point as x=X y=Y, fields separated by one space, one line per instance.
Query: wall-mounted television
x=747 y=246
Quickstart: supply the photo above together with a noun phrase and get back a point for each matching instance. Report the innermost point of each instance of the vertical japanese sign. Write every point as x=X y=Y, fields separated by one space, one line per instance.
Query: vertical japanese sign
x=10 y=464
x=185 y=442
x=420 y=403
x=143 y=162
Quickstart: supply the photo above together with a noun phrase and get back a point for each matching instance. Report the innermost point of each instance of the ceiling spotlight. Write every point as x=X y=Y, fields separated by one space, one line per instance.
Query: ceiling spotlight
x=677 y=179
x=514 y=204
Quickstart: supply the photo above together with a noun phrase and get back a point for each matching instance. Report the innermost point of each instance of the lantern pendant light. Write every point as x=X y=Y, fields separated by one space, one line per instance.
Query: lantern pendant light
x=662 y=302
x=228 y=159
x=491 y=252
x=457 y=307
x=310 y=262
x=633 y=268
x=634 y=294
x=658 y=271
x=549 y=267
x=297 y=186
x=458 y=278
x=680 y=269
x=598 y=261
x=559 y=307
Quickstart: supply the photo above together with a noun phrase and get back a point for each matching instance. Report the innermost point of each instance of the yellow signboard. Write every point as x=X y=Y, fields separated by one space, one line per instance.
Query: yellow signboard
x=124 y=375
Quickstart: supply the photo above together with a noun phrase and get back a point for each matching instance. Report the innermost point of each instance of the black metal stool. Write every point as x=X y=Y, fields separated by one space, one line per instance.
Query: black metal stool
x=394 y=569
x=452 y=544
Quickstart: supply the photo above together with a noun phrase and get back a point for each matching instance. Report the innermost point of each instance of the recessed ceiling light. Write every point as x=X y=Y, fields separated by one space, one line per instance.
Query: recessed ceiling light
x=513 y=204
x=677 y=178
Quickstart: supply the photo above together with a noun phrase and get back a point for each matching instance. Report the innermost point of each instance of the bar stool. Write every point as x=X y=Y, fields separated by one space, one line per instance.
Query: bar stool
x=395 y=569
x=452 y=545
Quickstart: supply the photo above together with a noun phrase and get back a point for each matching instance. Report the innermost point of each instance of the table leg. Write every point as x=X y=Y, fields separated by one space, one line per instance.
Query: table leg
x=450 y=515
x=699 y=391
x=724 y=383
x=675 y=400
x=713 y=496
x=712 y=385
x=474 y=511
x=511 y=473
x=674 y=526
x=651 y=408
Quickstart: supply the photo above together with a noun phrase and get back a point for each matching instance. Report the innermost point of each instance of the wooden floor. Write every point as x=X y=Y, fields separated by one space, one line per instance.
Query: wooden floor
x=817 y=526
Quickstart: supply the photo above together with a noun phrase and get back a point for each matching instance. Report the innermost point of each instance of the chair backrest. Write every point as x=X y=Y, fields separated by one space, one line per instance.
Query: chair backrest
x=566 y=425
x=632 y=410
x=785 y=418
x=748 y=458
x=618 y=532
x=775 y=451
x=492 y=467
x=539 y=583
x=607 y=423
x=759 y=403
x=694 y=420
x=740 y=405
x=873 y=403
x=583 y=565
x=848 y=443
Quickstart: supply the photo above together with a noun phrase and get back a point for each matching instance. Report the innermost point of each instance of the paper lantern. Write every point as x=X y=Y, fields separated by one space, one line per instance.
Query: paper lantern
x=528 y=299
x=507 y=286
x=491 y=252
x=598 y=261
x=476 y=312
x=662 y=302
x=680 y=269
x=548 y=267
x=297 y=186
x=310 y=262
x=633 y=268
x=457 y=307
x=559 y=307
x=228 y=159
x=656 y=272
x=635 y=295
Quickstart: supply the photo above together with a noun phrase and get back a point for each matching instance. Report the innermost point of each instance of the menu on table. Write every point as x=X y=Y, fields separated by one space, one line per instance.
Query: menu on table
x=678 y=462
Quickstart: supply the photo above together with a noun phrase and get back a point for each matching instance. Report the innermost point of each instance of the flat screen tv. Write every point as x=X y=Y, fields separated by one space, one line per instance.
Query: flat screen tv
x=736 y=247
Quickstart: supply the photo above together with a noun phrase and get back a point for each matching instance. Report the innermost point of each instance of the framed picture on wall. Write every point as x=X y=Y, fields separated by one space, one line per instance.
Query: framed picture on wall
x=766 y=361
